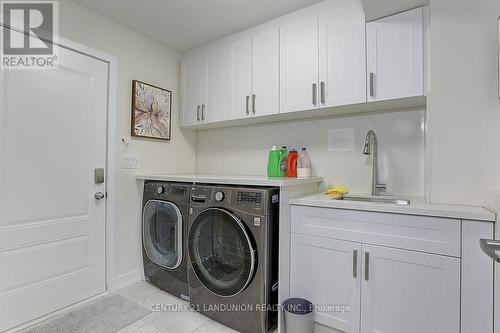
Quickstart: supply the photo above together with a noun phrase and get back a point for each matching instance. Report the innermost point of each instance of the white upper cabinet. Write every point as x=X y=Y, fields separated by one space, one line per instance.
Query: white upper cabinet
x=323 y=57
x=265 y=72
x=315 y=60
x=395 y=56
x=204 y=87
x=193 y=77
x=215 y=105
x=254 y=74
x=299 y=46
x=240 y=77
x=342 y=65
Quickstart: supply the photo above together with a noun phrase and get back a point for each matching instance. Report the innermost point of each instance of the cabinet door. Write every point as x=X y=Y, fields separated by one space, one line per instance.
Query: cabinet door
x=240 y=78
x=215 y=105
x=342 y=61
x=265 y=73
x=193 y=77
x=411 y=292
x=299 y=63
x=395 y=56
x=327 y=272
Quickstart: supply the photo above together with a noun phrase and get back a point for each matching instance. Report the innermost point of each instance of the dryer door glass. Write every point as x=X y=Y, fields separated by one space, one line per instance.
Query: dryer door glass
x=162 y=233
x=221 y=251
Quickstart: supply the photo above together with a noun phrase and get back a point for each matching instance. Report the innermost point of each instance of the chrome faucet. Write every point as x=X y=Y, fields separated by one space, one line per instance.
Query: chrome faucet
x=371 y=145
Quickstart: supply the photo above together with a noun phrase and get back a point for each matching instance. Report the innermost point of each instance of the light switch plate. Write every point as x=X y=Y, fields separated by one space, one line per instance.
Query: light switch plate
x=130 y=162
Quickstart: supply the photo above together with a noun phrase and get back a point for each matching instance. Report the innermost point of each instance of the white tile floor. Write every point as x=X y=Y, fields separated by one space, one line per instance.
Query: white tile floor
x=176 y=321
x=167 y=321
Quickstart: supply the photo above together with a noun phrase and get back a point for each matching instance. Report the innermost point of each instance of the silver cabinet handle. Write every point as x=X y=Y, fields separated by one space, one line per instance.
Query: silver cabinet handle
x=203 y=112
x=248 y=104
x=367 y=266
x=490 y=246
x=355 y=264
x=314 y=97
x=322 y=92
x=198 y=112
x=253 y=103
x=372 y=84
x=99 y=195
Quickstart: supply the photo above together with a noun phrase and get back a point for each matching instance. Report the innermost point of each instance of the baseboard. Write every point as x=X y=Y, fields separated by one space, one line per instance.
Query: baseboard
x=127 y=279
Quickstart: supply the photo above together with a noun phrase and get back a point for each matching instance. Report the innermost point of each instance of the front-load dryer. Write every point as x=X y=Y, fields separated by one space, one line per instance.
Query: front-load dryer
x=164 y=236
x=233 y=252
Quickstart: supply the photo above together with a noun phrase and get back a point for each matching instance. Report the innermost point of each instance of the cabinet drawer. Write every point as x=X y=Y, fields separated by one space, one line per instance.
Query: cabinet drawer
x=419 y=233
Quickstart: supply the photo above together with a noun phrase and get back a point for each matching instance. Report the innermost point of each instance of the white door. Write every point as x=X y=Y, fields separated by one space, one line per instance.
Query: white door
x=193 y=76
x=342 y=60
x=395 y=56
x=216 y=91
x=265 y=72
x=327 y=272
x=299 y=64
x=411 y=292
x=52 y=229
x=240 y=78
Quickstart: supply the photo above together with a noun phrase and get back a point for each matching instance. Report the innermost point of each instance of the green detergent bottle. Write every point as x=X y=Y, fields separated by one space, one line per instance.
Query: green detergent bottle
x=273 y=163
x=283 y=158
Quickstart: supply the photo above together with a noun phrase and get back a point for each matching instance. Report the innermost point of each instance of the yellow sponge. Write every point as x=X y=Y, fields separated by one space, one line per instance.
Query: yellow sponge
x=336 y=191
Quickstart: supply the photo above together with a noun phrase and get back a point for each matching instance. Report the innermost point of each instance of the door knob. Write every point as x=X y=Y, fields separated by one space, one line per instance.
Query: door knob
x=99 y=195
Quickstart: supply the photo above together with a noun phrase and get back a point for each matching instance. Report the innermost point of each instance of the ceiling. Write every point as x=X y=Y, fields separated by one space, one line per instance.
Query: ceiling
x=375 y=9
x=186 y=24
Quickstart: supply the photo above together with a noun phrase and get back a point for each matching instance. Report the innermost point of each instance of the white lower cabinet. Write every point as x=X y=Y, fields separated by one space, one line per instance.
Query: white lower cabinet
x=388 y=289
x=407 y=291
x=327 y=272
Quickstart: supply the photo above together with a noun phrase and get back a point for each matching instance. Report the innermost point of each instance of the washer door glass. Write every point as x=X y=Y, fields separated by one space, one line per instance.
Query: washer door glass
x=162 y=233
x=221 y=252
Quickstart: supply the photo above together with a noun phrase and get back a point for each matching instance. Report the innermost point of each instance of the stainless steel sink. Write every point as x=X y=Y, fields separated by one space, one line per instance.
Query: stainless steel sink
x=379 y=199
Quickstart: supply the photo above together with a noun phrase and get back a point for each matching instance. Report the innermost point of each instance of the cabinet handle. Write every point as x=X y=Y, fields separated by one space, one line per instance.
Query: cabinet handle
x=247 y=104
x=372 y=84
x=253 y=104
x=367 y=266
x=203 y=112
x=314 y=95
x=198 y=112
x=322 y=89
x=355 y=264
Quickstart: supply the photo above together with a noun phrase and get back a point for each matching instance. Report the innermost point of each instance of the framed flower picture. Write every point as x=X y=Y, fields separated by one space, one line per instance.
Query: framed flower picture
x=151 y=111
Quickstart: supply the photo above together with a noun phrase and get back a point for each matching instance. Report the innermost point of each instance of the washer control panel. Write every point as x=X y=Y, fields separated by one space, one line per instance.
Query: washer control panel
x=249 y=198
x=179 y=191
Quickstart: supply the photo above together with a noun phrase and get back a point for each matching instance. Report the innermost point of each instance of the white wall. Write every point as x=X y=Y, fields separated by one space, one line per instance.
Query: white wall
x=142 y=59
x=244 y=150
x=463 y=107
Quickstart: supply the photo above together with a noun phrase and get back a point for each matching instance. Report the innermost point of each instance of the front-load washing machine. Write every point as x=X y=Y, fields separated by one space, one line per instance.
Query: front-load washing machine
x=164 y=236
x=233 y=252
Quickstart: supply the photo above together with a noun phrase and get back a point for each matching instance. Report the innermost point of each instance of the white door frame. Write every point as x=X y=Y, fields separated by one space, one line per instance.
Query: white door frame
x=110 y=149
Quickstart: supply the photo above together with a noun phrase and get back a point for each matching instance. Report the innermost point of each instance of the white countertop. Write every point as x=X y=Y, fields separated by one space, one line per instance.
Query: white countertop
x=230 y=180
x=416 y=207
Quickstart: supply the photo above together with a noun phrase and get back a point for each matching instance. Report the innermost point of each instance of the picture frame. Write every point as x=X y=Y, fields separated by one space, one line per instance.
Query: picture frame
x=151 y=111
